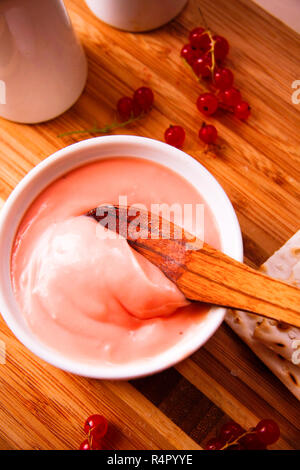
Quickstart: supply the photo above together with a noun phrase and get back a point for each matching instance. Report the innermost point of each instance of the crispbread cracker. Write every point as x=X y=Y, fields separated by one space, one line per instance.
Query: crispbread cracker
x=278 y=337
x=275 y=343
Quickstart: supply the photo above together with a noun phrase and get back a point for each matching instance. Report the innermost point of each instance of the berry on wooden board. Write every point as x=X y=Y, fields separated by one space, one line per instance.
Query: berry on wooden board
x=175 y=136
x=208 y=133
x=143 y=97
x=85 y=445
x=230 y=431
x=96 y=422
x=205 y=54
x=223 y=78
x=233 y=437
x=189 y=54
x=213 y=444
x=95 y=427
x=207 y=103
x=200 y=40
x=202 y=66
x=242 y=110
x=95 y=445
x=221 y=48
x=194 y=34
x=267 y=431
x=251 y=442
x=125 y=107
x=231 y=97
x=129 y=110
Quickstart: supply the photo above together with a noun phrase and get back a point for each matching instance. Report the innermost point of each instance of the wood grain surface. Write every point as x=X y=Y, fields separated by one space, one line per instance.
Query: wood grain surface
x=42 y=407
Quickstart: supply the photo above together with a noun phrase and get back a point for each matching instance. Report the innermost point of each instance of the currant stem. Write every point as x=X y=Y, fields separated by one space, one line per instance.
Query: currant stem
x=103 y=130
x=212 y=51
x=233 y=443
x=213 y=60
x=90 y=439
x=197 y=78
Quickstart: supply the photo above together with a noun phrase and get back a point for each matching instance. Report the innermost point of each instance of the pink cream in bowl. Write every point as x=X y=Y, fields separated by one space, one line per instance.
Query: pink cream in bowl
x=91 y=298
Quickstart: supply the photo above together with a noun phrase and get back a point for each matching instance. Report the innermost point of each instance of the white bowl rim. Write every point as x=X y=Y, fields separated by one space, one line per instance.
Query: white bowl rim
x=137 y=368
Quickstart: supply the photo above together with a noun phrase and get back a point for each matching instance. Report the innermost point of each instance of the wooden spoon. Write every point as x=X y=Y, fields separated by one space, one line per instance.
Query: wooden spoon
x=201 y=272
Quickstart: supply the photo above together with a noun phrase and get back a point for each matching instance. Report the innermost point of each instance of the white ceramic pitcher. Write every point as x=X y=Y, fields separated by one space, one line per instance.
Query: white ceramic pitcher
x=136 y=15
x=43 y=68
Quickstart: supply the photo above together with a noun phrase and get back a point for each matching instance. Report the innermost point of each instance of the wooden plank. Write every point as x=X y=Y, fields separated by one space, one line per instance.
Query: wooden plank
x=249 y=398
x=49 y=407
x=258 y=166
x=225 y=399
x=230 y=352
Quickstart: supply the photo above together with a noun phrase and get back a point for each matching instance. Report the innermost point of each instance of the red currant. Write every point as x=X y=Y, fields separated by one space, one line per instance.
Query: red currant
x=136 y=109
x=221 y=48
x=95 y=445
x=190 y=54
x=143 y=97
x=223 y=79
x=85 y=445
x=251 y=442
x=236 y=446
x=207 y=103
x=267 y=431
x=242 y=110
x=231 y=97
x=202 y=66
x=96 y=422
x=125 y=107
x=208 y=133
x=213 y=444
x=175 y=135
x=200 y=40
x=187 y=53
x=96 y=435
x=195 y=32
x=231 y=430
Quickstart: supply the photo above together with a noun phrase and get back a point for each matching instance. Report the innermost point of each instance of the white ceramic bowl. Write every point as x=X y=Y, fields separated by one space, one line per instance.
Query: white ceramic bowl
x=67 y=159
x=136 y=15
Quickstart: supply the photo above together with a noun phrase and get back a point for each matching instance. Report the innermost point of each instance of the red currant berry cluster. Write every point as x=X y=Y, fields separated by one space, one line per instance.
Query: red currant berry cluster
x=233 y=437
x=205 y=54
x=141 y=102
x=95 y=427
x=129 y=110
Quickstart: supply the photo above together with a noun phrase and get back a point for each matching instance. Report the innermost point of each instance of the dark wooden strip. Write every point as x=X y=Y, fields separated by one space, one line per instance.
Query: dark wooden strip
x=183 y=403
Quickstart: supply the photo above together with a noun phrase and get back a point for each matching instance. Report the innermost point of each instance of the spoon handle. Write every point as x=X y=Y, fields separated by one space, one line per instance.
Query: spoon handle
x=208 y=275
x=211 y=276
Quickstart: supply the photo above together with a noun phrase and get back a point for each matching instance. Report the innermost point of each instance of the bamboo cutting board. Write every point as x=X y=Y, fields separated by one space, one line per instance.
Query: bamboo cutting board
x=42 y=407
